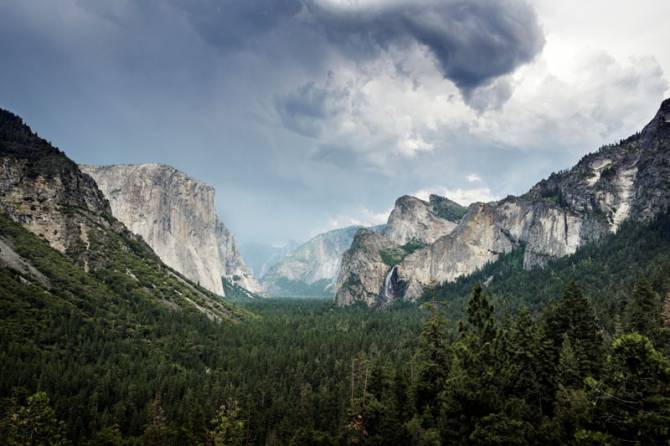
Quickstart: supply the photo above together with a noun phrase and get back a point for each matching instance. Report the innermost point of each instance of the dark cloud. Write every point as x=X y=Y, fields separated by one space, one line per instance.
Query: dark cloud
x=237 y=93
x=305 y=110
x=237 y=23
x=473 y=41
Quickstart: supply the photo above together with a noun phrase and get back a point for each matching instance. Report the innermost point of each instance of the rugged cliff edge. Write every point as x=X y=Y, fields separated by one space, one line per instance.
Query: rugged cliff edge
x=46 y=193
x=368 y=272
x=176 y=215
x=628 y=180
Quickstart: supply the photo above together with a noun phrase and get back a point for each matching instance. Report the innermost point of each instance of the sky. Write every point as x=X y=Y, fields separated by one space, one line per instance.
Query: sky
x=310 y=115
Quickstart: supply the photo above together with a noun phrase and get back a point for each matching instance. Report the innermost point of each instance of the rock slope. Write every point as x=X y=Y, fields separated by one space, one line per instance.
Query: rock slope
x=630 y=179
x=367 y=272
x=46 y=193
x=176 y=215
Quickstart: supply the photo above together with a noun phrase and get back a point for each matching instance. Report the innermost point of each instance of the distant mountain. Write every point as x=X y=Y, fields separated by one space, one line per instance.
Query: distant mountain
x=260 y=257
x=176 y=215
x=92 y=260
x=625 y=181
x=310 y=270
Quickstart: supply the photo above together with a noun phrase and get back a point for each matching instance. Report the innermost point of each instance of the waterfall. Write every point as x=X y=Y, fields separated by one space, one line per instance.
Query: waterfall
x=389 y=291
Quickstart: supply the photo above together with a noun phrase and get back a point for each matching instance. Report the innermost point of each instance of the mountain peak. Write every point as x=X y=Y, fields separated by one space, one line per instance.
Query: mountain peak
x=660 y=125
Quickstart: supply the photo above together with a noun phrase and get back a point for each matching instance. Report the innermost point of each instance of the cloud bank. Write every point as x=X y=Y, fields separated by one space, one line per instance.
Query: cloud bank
x=309 y=114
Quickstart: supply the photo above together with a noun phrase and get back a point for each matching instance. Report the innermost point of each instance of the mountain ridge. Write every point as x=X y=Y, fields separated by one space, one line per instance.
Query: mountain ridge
x=556 y=216
x=46 y=193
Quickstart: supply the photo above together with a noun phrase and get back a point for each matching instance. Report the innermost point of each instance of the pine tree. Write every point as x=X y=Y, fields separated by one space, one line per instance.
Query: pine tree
x=476 y=380
x=156 y=433
x=574 y=317
x=35 y=424
x=632 y=401
x=568 y=366
x=432 y=363
x=228 y=427
x=643 y=313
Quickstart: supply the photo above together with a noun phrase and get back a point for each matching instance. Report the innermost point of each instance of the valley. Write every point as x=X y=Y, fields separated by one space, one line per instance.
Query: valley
x=115 y=336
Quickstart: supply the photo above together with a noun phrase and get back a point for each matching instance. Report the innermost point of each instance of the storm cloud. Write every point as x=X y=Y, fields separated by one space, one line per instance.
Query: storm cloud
x=472 y=41
x=307 y=115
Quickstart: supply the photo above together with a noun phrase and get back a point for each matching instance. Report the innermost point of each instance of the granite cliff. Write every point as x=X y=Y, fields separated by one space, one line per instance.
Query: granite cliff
x=46 y=193
x=628 y=180
x=176 y=215
x=367 y=273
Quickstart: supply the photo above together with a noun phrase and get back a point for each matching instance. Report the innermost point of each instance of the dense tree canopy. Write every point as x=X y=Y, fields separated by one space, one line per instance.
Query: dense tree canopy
x=584 y=365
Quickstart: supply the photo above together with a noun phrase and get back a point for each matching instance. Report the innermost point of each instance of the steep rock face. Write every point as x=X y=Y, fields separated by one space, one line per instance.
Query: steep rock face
x=413 y=219
x=312 y=268
x=559 y=214
x=176 y=216
x=233 y=267
x=46 y=193
x=363 y=269
x=368 y=266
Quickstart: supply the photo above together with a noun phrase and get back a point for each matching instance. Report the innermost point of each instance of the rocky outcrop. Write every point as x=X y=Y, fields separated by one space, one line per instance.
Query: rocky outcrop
x=367 y=271
x=413 y=219
x=629 y=180
x=364 y=268
x=311 y=269
x=233 y=268
x=176 y=215
x=46 y=193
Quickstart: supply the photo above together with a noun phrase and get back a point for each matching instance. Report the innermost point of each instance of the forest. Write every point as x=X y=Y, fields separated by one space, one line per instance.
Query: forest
x=575 y=353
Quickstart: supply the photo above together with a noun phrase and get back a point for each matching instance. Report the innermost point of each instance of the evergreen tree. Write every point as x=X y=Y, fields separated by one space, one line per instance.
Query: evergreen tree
x=34 y=424
x=229 y=429
x=475 y=379
x=568 y=366
x=643 y=313
x=156 y=433
x=432 y=363
x=573 y=317
x=632 y=401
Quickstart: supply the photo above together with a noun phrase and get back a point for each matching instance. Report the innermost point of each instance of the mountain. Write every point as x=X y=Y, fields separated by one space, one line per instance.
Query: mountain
x=310 y=270
x=73 y=245
x=260 y=257
x=628 y=180
x=176 y=215
x=368 y=267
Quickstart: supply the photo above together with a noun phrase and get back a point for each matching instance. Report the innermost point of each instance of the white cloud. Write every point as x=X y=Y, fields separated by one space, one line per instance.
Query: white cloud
x=593 y=99
x=364 y=217
x=461 y=196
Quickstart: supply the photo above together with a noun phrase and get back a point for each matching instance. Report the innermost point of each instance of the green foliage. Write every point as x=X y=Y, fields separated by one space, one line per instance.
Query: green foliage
x=236 y=293
x=606 y=270
x=121 y=367
x=452 y=213
x=643 y=312
x=228 y=427
x=34 y=423
x=395 y=254
x=571 y=328
x=297 y=288
x=632 y=401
